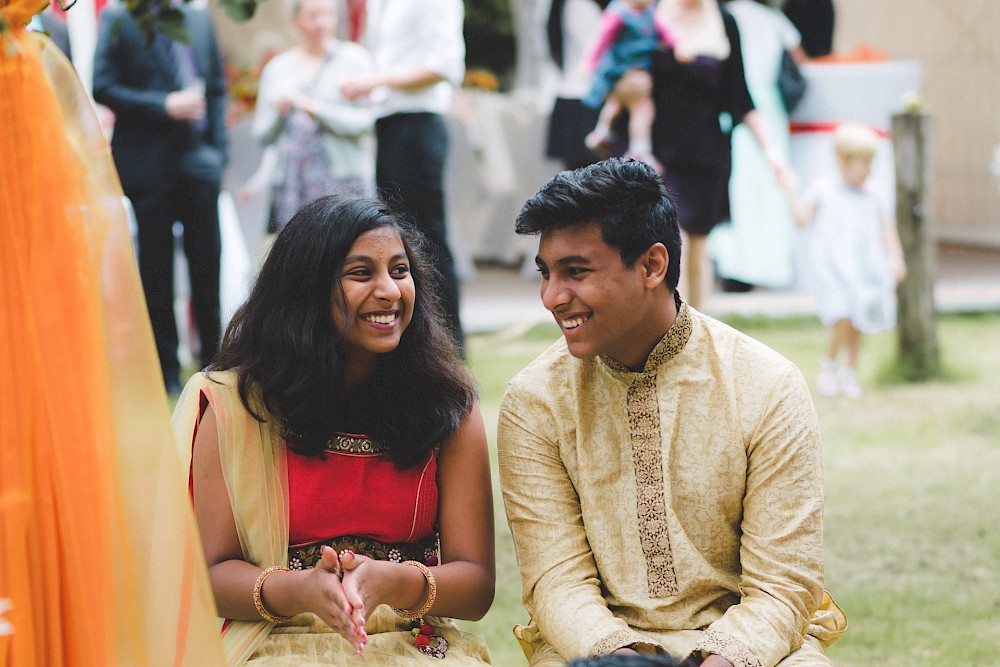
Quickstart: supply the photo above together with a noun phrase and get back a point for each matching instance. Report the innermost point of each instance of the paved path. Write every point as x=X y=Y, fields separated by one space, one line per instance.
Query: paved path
x=968 y=281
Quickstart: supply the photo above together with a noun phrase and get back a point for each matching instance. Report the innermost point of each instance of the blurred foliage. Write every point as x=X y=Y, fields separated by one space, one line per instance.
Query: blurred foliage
x=239 y=10
x=489 y=38
x=160 y=15
x=154 y=16
x=489 y=29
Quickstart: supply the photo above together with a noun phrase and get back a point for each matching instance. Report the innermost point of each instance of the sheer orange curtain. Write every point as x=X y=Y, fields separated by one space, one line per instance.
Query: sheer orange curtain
x=100 y=562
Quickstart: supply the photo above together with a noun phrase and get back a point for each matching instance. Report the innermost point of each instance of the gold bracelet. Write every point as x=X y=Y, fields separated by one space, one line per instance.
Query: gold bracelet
x=257 y=602
x=431 y=595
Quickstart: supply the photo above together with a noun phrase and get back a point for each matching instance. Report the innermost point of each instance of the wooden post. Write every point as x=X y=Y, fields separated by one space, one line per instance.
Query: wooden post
x=918 y=354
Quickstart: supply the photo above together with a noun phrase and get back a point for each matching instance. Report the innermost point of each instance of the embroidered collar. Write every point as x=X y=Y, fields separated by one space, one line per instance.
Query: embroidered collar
x=669 y=346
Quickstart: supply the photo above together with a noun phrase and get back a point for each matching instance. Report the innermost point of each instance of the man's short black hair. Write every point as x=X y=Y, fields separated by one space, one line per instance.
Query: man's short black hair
x=642 y=660
x=625 y=197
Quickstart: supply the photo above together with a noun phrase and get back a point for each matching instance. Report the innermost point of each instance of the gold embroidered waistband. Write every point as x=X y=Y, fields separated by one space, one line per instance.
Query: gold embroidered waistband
x=424 y=551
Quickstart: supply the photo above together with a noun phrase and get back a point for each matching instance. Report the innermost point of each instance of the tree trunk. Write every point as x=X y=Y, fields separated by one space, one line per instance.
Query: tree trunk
x=918 y=353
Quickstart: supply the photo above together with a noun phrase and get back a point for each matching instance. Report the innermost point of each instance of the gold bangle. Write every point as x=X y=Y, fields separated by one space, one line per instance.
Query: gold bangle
x=257 y=602
x=431 y=594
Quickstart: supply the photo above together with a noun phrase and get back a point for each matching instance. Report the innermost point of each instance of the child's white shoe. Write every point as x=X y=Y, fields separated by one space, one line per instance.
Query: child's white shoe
x=828 y=382
x=849 y=383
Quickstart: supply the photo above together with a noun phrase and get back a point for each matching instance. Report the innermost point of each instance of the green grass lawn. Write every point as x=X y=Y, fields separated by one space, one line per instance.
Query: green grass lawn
x=913 y=495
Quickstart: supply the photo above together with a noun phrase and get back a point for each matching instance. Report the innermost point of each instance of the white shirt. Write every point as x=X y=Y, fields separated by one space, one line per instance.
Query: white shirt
x=404 y=35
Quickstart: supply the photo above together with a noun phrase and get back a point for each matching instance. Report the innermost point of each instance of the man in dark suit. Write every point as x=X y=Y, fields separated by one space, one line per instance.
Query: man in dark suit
x=169 y=145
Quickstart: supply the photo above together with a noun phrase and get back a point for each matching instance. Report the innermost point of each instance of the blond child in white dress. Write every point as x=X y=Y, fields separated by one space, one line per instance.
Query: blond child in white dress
x=855 y=256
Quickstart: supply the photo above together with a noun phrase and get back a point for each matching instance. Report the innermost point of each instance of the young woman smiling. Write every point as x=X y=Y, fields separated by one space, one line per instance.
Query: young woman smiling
x=339 y=466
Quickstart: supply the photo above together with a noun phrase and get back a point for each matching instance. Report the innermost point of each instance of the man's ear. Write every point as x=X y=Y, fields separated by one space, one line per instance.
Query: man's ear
x=654 y=265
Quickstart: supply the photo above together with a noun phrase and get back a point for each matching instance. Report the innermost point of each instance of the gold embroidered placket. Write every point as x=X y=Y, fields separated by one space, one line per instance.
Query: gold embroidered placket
x=647 y=456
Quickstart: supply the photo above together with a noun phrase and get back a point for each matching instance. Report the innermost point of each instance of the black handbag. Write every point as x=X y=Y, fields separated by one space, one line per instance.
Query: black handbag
x=792 y=83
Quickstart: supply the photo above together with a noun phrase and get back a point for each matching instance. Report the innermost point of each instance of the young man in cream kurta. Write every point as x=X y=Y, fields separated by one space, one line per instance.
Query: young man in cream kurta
x=662 y=472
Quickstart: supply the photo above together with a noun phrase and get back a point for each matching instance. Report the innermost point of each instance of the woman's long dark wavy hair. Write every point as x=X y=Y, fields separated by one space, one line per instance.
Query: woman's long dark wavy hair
x=290 y=356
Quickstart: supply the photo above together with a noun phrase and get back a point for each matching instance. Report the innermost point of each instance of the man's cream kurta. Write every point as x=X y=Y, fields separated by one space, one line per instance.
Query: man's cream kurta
x=680 y=507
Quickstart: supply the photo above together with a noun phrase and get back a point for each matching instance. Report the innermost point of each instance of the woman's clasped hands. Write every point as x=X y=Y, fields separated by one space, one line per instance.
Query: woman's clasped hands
x=343 y=586
x=332 y=595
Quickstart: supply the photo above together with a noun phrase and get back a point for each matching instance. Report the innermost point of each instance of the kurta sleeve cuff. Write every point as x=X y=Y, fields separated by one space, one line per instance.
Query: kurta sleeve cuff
x=729 y=647
x=622 y=638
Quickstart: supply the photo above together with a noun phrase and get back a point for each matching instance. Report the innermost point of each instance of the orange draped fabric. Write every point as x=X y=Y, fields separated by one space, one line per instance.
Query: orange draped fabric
x=100 y=562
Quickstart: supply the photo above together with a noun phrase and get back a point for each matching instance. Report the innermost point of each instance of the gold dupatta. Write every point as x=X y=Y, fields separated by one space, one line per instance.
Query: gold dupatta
x=253 y=463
